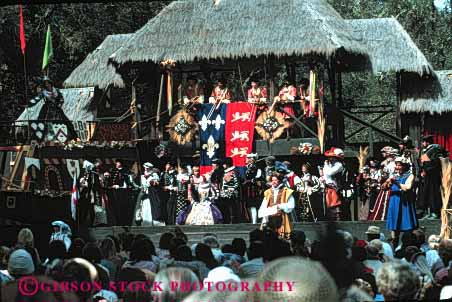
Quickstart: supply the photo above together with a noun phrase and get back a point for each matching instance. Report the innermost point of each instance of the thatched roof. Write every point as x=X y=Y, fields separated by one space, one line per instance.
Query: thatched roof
x=389 y=46
x=191 y=30
x=78 y=104
x=95 y=71
x=434 y=97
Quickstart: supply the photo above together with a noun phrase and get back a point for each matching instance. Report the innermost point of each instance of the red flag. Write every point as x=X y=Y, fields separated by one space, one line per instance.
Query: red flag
x=22 y=32
x=239 y=131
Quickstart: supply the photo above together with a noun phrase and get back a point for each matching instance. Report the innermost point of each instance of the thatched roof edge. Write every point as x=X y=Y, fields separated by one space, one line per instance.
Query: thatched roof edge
x=434 y=99
x=95 y=70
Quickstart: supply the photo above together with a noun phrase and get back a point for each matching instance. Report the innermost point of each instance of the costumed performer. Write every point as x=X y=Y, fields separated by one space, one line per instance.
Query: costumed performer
x=202 y=210
x=309 y=206
x=221 y=93
x=332 y=172
x=252 y=186
x=148 y=208
x=401 y=211
x=61 y=232
x=276 y=206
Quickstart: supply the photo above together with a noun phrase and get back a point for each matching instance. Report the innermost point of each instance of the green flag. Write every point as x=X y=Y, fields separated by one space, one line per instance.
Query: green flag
x=48 y=51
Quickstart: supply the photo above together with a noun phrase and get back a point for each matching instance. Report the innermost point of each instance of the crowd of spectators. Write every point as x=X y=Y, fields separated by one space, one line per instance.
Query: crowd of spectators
x=336 y=267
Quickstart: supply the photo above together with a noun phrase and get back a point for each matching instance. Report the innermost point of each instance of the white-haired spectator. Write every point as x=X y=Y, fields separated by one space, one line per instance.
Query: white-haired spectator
x=396 y=280
x=432 y=254
x=211 y=240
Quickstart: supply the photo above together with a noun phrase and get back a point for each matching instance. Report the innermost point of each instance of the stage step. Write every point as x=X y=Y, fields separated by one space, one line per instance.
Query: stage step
x=226 y=233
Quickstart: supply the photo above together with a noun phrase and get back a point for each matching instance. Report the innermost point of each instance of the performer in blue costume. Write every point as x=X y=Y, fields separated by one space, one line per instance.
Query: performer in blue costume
x=401 y=212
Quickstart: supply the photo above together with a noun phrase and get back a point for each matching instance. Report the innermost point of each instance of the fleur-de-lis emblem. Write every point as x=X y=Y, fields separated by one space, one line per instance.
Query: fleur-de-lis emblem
x=205 y=122
x=210 y=146
x=218 y=122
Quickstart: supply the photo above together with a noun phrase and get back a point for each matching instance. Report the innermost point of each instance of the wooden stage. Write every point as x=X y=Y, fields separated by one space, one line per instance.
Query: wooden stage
x=228 y=232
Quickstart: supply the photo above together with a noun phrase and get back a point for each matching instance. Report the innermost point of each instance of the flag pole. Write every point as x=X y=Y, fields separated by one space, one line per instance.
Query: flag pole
x=25 y=80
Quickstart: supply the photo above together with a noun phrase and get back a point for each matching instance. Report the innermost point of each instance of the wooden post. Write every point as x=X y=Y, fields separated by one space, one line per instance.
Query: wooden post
x=399 y=101
x=159 y=107
x=371 y=142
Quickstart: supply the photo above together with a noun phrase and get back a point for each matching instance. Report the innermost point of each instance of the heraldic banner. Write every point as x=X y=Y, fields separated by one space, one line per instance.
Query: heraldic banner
x=240 y=119
x=211 y=134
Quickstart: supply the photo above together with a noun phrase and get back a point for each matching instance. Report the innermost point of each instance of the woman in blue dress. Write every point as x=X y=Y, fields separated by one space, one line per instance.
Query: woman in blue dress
x=401 y=213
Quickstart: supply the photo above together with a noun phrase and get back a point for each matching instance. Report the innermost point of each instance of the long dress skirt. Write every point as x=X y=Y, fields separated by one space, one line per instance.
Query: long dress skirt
x=148 y=209
x=200 y=213
x=401 y=211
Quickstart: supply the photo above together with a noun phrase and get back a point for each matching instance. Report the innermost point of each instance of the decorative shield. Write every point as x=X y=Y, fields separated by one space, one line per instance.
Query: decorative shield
x=182 y=127
x=73 y=167
x=271 y=126
x=37 y=130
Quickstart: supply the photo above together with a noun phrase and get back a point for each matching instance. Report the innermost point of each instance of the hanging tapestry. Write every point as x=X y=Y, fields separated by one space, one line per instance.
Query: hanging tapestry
x=211 y=134
x=271 y=126
x=239 y=133
x=182 y=127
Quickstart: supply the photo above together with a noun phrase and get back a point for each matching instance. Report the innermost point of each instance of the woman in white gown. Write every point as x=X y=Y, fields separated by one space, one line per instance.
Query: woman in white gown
x=148 y=208
x=202 y=210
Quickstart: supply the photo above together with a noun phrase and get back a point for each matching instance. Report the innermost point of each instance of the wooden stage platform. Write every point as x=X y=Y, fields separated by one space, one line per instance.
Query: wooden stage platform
x=228 y=232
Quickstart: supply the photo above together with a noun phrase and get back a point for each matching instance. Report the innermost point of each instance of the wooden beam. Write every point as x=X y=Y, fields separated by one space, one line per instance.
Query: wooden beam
x=399 y=101
x=391 y=136
x=363 y=128
x=300 y=123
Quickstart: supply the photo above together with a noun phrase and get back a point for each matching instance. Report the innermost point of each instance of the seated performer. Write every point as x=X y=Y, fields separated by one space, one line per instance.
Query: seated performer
x=148 y=210
x=287 y=96
x=221 y=93
x=256 y=94
x=275 y=208
x=193 y=92
x=202 y=210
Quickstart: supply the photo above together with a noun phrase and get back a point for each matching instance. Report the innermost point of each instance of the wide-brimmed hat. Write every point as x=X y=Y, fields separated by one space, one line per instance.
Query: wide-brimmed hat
x=148 y=165
x=373 y=229
x=389 y=150
x=335 y=152
x=401 y=159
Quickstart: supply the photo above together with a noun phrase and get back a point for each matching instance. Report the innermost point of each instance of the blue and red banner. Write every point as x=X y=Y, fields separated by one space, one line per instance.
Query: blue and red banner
x=212 y=120
x=226 y=131
x=239 y=134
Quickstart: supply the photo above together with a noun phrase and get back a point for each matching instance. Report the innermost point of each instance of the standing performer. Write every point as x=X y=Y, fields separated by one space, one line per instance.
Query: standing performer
x=170 y=187
x=256 y=94
x=229 y=202
x=221 y=93
x=148 y=208
x=121 y=194
x=194 y=92
x=379 y=210
x=270 y=169
x=202 y=210
x=89 y=194
x=431 y=178
x=401 y=212
x=182 y=181
x=216 y=177
x=252 y=186
x=332 y=171
x=195 y=179
x=309 y=206
x=367 y=192
x=276 y=206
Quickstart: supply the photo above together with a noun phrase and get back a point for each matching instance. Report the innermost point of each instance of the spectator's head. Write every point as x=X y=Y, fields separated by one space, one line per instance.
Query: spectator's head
x=408 y=239
x=298 y=238
x=314 y=284
x=227 y=248
x=204 y=253
x=20 y=264
x=211 y=241
x=174 y=275
x=364 y=286
x=165 y=240
x=4 y=257
x=131 y=274
x=79 y=270
x=25 y=238
x=420 y=237
x=397 y=281
x=137 y=291
x=174 y=245
x=75 y=251
x=57 y=250
x=92 y=253
x=180 y=234
x=142 y=250
x=255 y=250
x=116 y=241
x=11 y=292
x=127 y=241
x=373 y=232
x=372 y=252
x=239 y=245
x=183 y=253
x=433 y=242
x=108 y=248
x=256 y=235
x=445 y=250
x=103 y=276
